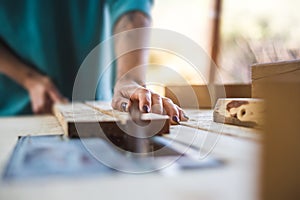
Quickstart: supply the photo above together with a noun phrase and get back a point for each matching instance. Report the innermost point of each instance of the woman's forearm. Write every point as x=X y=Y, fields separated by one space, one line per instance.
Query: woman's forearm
x=133 y=64
x=15 y=69
x=43 y=93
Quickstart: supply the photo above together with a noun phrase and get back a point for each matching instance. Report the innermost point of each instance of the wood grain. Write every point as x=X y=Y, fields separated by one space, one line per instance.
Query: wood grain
x=285 y=71
x=203 y=120
x=105 y=107
x=98 y=119
x=198 y=96
x=80 y=120
x=240 y=111
x=281 y=161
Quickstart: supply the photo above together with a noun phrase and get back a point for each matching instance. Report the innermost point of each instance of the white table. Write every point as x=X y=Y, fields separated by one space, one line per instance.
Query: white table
x=237 y=179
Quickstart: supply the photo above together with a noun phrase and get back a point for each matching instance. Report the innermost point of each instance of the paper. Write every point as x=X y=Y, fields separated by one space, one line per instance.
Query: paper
x=36 y=156
x=56 y=156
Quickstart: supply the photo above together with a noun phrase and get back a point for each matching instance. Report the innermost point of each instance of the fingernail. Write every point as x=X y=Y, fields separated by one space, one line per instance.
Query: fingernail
x=124 y=106
x=146 y=108
x=185 y=116
x=175 y=119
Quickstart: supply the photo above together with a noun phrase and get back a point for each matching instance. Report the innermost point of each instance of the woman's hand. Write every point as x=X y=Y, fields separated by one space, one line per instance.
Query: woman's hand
x=43 y=93
x=127 y=92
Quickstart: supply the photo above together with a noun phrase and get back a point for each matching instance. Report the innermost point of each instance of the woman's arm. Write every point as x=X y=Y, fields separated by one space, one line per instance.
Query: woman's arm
x=131 y=70
x=42 y=91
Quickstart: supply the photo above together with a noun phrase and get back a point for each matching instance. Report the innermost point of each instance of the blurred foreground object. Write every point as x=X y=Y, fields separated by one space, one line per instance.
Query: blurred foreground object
x=281 y=161
x=281 y=71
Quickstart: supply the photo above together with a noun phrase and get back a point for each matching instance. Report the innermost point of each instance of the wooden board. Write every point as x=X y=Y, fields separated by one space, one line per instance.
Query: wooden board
x=285 y=71
x=240 y=111
x=80 y=120
x=96 y=119
x=281 y=160
x=203 y=120
x=105 y=107
x=198 y=96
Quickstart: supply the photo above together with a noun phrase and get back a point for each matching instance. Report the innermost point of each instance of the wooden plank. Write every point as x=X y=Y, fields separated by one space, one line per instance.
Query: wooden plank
x=240 y=111
x=280 y=160
x=80 y=120
x=98 y=119
x=203 y=120
x=198 y=96
x=285 y=71
x=158 y=123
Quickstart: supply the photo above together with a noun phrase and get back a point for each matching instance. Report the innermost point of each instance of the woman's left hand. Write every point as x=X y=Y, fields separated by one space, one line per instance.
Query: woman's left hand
x=126 y=92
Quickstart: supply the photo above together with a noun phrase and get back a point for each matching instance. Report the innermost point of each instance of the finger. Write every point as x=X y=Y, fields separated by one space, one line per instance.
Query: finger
x=55 y=95
x=182 y=115
x=120 y=103
x=33 y=104
x=47 y=108
x=171 y=110
x=144 y=98
x=134 y=111
x=34 y=107
x=157 y=105
x=38 y=104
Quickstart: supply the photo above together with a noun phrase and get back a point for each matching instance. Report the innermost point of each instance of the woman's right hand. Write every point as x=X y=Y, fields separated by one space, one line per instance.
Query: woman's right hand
x=43 y=93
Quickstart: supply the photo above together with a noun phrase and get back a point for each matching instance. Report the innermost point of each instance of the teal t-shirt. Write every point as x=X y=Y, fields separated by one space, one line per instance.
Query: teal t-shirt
x=54 y=37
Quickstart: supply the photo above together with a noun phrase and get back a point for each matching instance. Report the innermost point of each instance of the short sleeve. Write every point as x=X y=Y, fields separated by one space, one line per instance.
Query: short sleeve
x=118 y=8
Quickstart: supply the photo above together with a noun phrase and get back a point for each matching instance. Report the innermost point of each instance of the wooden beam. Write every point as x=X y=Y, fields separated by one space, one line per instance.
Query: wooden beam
x=240 y=111
x=215 y=30
x=284 y=71
x=281 y=160
x=80 y=120
x=98 y=119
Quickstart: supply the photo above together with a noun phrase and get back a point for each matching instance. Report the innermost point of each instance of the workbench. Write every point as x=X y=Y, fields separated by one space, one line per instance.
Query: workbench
x=238 y=147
